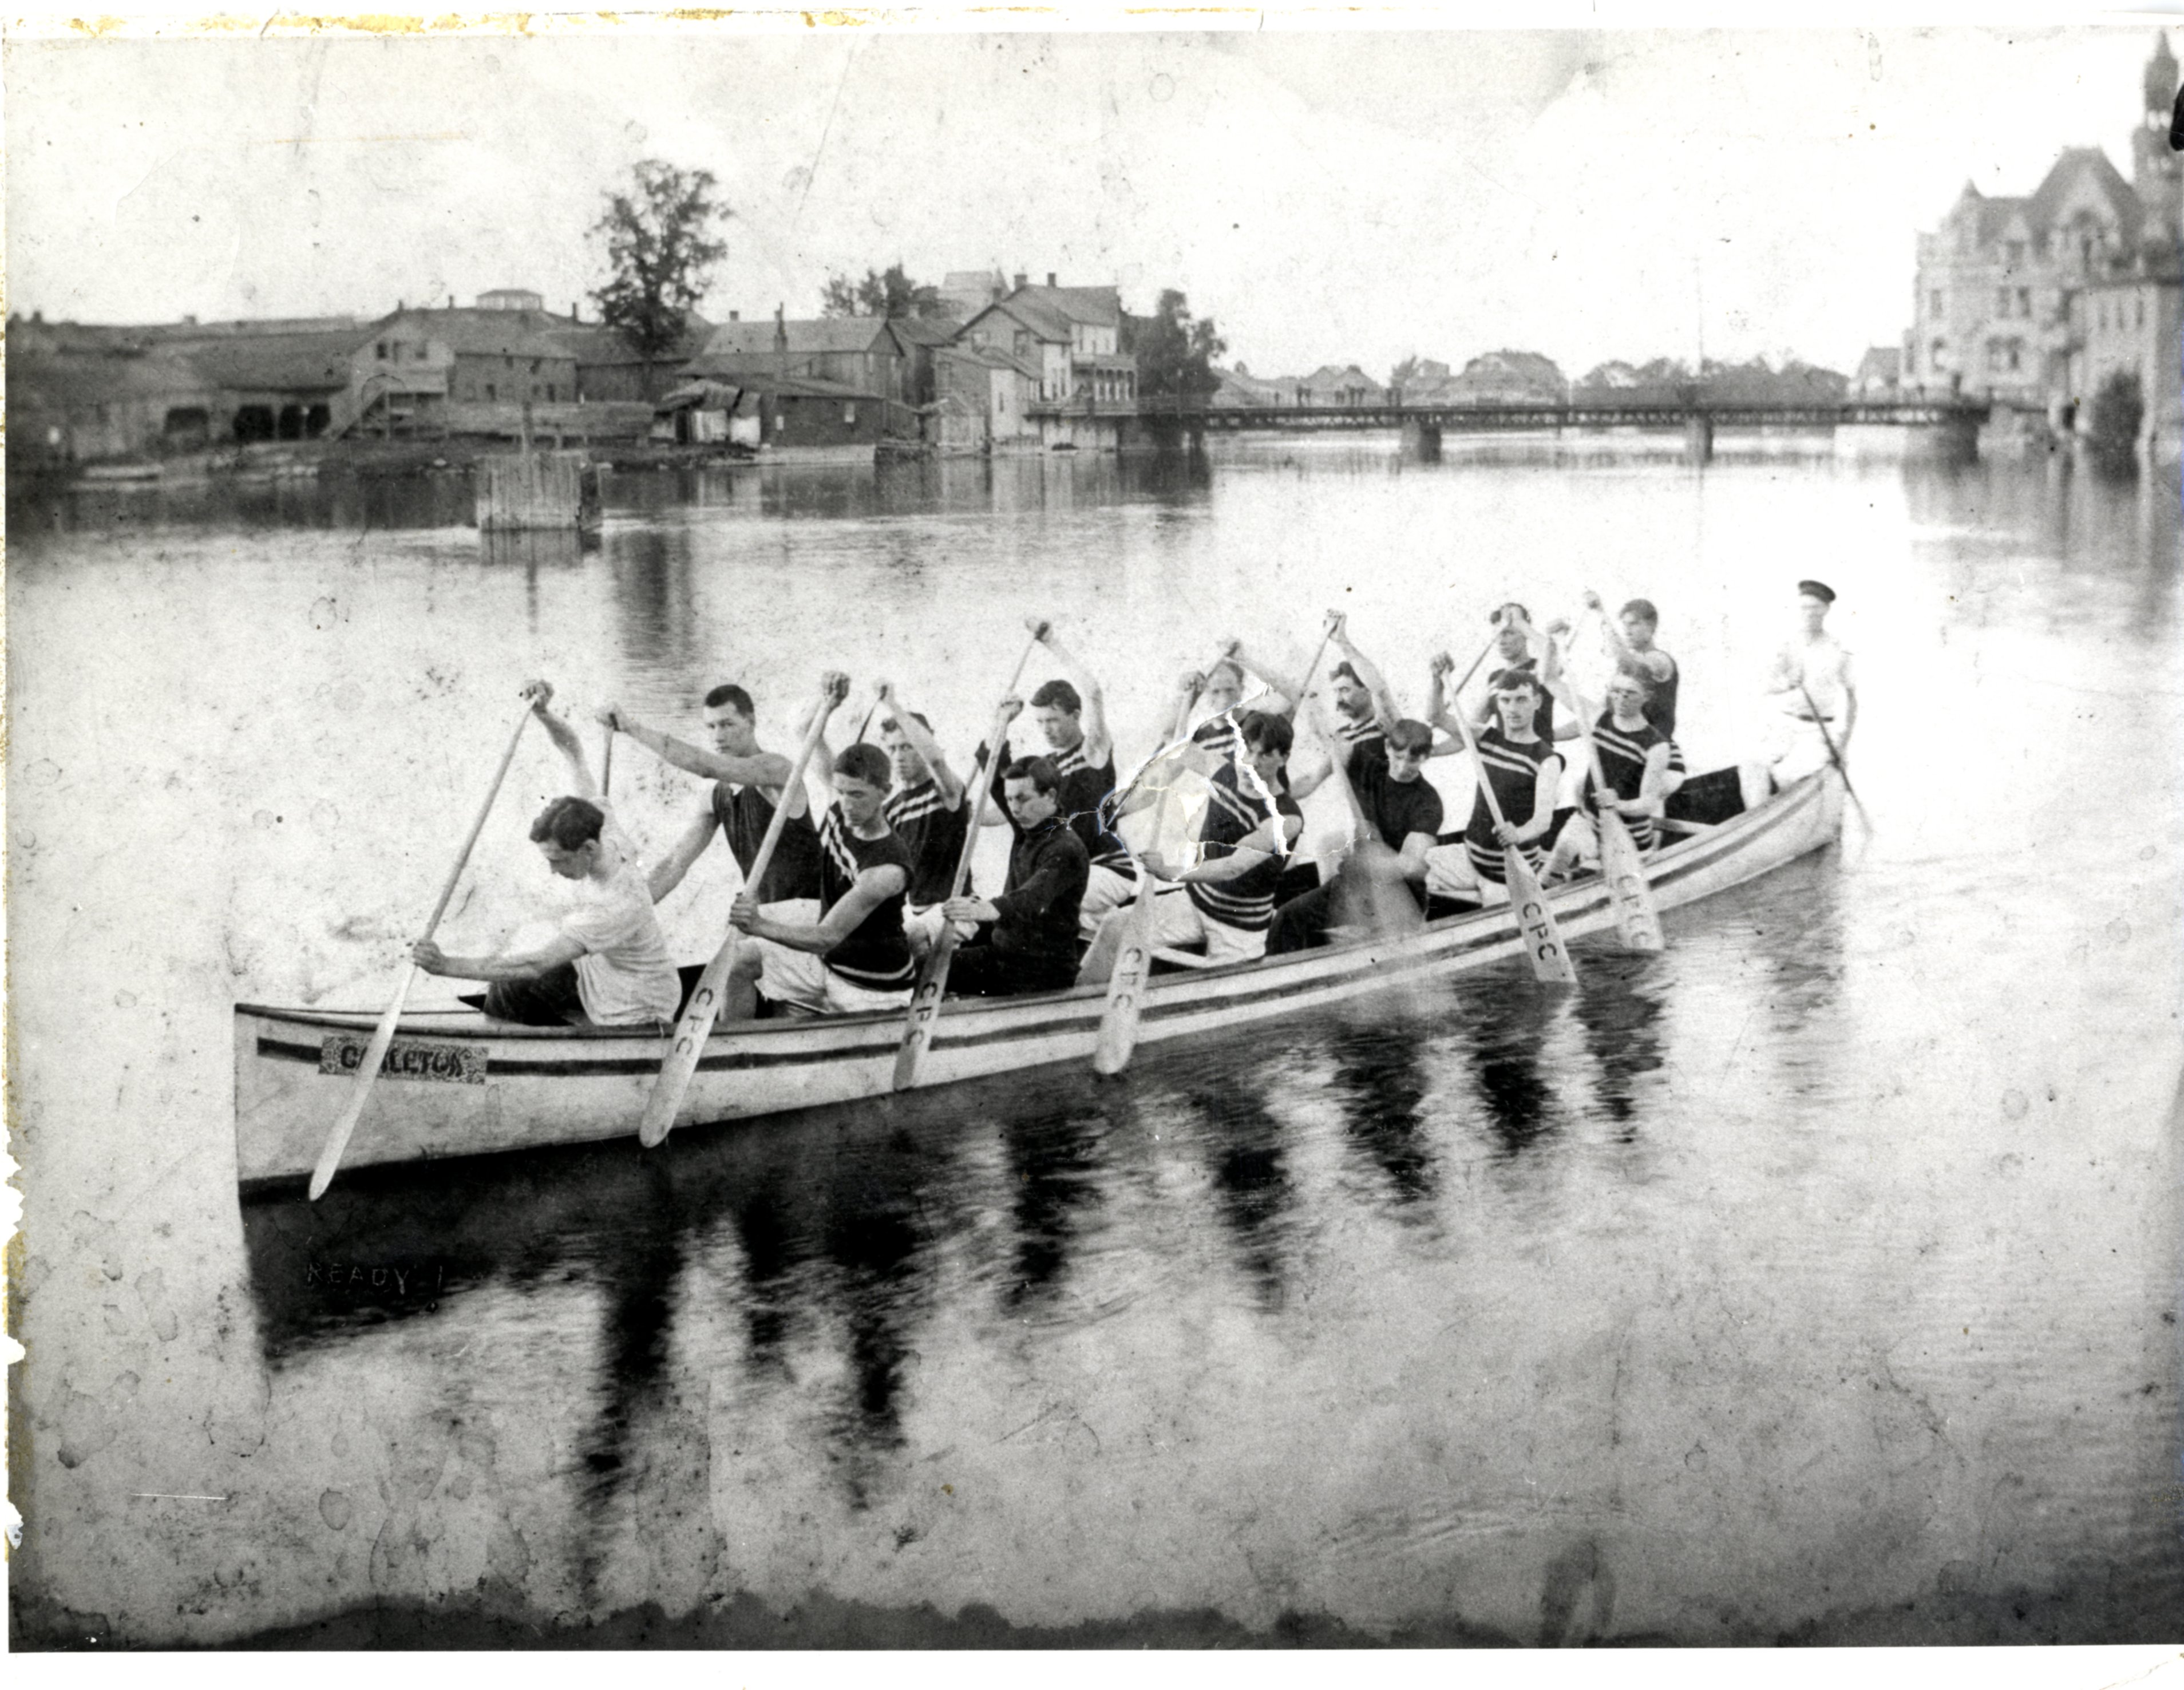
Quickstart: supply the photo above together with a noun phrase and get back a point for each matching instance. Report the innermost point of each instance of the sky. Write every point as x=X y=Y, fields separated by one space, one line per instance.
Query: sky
x=1326 y=197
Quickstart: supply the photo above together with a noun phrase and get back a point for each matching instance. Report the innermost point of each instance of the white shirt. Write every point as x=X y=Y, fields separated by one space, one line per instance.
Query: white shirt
x=624 y=978
x=1823 y=667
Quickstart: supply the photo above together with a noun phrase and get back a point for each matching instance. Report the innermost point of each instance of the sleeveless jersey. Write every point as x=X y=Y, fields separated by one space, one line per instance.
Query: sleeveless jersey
x=1543 y=718
x=1219 y=734
x=1623 y=761
x=1233 y=813
x=1513 y=770
x=744 y=813
x=1368 y=732
x=875 y=954
x=932 y=834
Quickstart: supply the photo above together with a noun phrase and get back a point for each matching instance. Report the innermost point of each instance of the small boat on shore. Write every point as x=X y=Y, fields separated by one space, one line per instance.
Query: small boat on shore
x=461 y=1084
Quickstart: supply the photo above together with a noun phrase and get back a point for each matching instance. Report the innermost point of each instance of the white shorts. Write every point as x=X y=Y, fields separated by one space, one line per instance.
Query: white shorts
x=1449 y=874
x=1178 y=920
x=802 y=979
x=1104 y=890
x=1799 y=750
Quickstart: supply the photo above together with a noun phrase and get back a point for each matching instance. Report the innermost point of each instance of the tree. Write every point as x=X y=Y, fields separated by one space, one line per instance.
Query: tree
x=1175 y=351
x=661 y=250
x=2112 y=426
x=1404 y=372
x=890 y=294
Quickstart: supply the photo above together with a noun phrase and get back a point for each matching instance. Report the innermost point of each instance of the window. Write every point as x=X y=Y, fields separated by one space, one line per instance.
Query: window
x=1934 y=359
x=534 y=366
x=2103 y=311
x=550 y=393
x=491 y=390
x=2024 y=302
x=2002 y=302
x=2014 y=251
x=382 y=352
x=1934 y=302
x=849 y=413
x=2141 y=312
x=2016 y=352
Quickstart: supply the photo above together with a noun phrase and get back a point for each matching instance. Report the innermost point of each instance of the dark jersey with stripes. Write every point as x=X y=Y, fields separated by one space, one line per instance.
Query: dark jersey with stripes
x=1219 y=734
x=932 y=834
x=744 y=813
x=1084 y=791
x=1623 y=753
x=875 y=954
x=1235 y=811
x=1366 y=732
x=1513 y=770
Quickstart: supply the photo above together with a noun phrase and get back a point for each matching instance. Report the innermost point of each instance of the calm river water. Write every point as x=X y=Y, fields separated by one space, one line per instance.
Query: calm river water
x=1817 y=1279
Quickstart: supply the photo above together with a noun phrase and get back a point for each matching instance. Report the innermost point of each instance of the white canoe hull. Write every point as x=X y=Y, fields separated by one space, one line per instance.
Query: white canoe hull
x=455 y=1084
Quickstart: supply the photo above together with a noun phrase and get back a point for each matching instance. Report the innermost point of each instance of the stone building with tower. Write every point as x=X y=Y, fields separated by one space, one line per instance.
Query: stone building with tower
x=2036 y=301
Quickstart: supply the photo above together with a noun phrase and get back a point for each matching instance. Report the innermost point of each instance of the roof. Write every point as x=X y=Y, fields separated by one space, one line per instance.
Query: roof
x=1047 y=325
x=924 y=331
x=2088 y=166
x=804 y=334
x=992 y=357
x=1338 y=376
x=57 y=380
x=468 y=329
x=593 y=343
x=1885 y=363
x=745 y=374
x=1102 y=307
x=706 y=395
x=293 y=363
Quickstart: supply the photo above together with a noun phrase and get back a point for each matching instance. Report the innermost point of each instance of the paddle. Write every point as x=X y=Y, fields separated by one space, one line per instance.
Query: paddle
x=383 y=1034
x=1636 y=918
x=1836 y=757
x=1134 y=963
x=933 y=978
x=695 y=1024
x=1543 y=939
x=606 y=765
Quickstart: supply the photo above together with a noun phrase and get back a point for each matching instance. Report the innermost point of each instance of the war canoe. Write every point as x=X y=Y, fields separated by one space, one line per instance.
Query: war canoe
x=457 y=1084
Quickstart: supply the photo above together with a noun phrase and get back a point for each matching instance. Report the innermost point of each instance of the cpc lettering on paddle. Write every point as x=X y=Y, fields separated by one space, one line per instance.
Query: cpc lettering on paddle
x=401 y=1278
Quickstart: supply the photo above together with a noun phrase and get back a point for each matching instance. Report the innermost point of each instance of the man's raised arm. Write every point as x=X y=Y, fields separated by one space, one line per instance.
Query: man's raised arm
x=767 y=770
x=945 y=779
x=565 y=740
x=1384 y=702
x=1099 y=746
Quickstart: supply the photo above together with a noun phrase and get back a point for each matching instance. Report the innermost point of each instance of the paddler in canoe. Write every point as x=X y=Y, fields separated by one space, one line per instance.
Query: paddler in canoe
x=1811 y=679
x=853 y=956
x=747 y=782
x=1525 y=770
x=607 y=963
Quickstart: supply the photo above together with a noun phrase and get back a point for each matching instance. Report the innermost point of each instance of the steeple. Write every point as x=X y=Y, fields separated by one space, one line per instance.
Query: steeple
x=2157 y=171
x=2160 y=84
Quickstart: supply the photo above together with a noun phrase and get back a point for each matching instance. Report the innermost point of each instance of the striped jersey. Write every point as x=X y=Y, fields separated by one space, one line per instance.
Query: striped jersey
x=1219 y=734
x=1234 y=811
x=1623 y=753
x=932 y=834
x=875 y=954
x=1513 y=770
x=1081 y=794
x=1363 y=731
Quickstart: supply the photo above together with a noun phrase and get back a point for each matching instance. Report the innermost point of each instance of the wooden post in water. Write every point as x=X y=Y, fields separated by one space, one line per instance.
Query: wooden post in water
x=529 y=490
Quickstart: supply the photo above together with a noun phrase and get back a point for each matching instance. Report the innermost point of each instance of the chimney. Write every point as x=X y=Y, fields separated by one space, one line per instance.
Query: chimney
x=575 y=316
x=735 y=316
x=1023 y=280
x=1050 y=278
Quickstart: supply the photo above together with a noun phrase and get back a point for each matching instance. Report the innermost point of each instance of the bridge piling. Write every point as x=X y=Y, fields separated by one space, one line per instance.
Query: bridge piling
x=1698 y=438
x=1422 y=439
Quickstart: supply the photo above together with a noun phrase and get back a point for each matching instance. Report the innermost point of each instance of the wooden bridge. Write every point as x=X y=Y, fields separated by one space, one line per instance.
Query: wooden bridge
x=1695 y=416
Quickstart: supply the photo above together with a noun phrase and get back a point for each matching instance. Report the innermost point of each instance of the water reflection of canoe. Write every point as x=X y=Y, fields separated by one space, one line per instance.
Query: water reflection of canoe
x=458 y=1084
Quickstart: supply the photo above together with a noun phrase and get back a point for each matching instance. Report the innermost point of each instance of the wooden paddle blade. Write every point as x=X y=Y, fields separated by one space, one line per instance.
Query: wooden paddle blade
x=918 y=1026
x=367 y=1071
x=1535 y=921
x=691 y=1029
x=1636 y=918
x=1126 y=987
